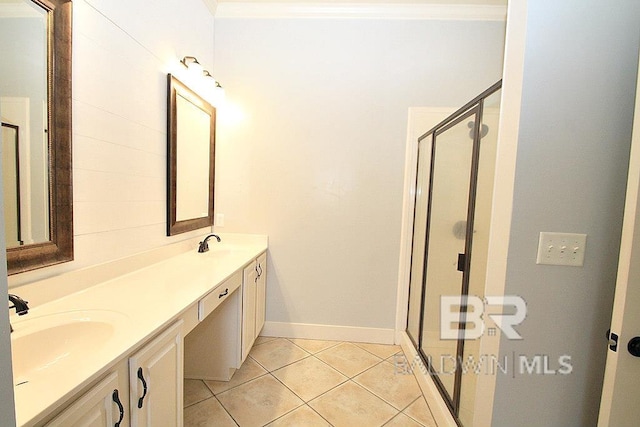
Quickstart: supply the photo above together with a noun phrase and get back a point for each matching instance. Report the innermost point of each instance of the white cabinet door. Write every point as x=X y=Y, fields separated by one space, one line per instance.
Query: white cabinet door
x=261 y=292
x=249 y=285
x=155 y=378
x=101 y=406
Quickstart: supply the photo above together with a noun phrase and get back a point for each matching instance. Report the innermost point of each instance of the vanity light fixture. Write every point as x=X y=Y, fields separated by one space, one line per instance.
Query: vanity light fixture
x=217 y=93
x=214 y=89
x=210 y=79
x=192 y=64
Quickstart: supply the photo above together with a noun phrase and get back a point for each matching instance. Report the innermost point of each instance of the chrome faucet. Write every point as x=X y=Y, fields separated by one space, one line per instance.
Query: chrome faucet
x=204 y=245
x=19 y=304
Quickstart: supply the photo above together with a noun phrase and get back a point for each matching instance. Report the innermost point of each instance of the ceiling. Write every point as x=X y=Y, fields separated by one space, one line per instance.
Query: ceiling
x=439 y=2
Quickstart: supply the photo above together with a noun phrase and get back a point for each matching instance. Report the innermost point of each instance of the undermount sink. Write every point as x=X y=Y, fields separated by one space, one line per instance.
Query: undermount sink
x=224 y=250
x=51 y=341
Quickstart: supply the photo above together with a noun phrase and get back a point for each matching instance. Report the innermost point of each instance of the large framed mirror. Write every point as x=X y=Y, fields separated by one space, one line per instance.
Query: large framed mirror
x=190 y=159
x=35 y=108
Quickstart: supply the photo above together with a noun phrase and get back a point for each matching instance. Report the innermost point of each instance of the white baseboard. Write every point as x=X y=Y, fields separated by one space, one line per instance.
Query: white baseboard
x=328 y=332
x=431 y=394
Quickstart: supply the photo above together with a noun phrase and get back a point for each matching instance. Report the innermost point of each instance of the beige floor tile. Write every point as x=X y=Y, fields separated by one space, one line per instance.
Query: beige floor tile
x=376 y=395
x=259 y=401
x=301 y=417
x=195 y=391
x=208 y=413
x=247 y=372
x=420 y=412
x=381 y=350
x=402 y=364
x=401 y=420
x=351 y=405
x=261 y=340
x=348 y=359
x=309 y=378
x=277 y=353
x=313 y=346
x=398 y=389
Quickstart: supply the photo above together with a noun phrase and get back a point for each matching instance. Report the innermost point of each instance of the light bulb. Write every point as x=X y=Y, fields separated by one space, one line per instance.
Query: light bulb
x=192 y=64
x=218 y=95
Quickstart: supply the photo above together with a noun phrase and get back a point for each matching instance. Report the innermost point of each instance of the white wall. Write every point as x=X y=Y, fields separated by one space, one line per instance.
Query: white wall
x=121 y=56
x=317 y=163
x=573 y=144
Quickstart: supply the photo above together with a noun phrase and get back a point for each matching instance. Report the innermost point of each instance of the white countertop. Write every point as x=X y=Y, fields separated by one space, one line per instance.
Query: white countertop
x=150 y=297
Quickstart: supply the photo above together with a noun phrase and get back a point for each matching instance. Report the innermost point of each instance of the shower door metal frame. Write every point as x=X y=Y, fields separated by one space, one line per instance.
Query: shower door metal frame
x=475 y=107
x=474 y=113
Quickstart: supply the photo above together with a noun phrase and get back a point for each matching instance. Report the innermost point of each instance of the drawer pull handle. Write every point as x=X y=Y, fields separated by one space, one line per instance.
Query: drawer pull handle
x=225 y=293
x=144 y=388
x=116 y=399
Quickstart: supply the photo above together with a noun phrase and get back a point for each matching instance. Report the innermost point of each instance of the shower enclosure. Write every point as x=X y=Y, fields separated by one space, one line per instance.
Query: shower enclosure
x=454 y=188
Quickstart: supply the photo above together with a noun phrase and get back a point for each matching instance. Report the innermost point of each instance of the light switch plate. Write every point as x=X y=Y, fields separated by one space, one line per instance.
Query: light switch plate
x=561 y=249
x=219 y=222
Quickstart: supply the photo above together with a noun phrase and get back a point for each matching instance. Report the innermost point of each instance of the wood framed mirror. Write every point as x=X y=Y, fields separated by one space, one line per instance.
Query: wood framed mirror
x=38 y=55
x=190 y=159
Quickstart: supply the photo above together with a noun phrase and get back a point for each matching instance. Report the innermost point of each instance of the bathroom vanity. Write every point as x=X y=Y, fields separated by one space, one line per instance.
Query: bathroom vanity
x=115 y=352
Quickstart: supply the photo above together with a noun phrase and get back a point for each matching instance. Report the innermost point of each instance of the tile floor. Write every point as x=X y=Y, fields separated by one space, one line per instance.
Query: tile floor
x=296 y=382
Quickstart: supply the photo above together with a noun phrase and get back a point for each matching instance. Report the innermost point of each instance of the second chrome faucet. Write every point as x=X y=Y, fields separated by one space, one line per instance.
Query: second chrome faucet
x=19 y=304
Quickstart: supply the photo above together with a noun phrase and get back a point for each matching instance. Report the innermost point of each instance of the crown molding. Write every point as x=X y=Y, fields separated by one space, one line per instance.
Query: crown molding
x=212 y=5
x=411 y=11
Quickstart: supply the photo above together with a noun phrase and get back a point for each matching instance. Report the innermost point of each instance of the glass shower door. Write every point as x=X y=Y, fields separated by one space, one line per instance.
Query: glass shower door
x=447 y=246
x=419 y=239
x=453 y=199
x=486 y=162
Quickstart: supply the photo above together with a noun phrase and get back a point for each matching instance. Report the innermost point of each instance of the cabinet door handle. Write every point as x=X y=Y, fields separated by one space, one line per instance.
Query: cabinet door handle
x=226 y=291
x=144 y=388
x=260 y=272
x=116 y=399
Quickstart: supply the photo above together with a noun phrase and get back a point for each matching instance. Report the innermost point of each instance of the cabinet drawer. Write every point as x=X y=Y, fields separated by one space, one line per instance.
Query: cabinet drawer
x=214 y=298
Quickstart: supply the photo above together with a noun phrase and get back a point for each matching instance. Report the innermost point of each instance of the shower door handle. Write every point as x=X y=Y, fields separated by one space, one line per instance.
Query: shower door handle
x=462 y=260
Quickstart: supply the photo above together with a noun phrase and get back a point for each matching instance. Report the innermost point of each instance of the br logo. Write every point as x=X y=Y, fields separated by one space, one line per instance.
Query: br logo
x=470 y=324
